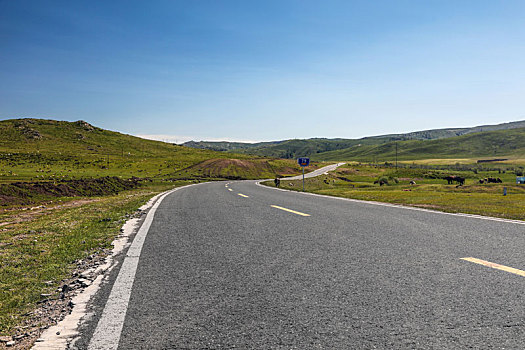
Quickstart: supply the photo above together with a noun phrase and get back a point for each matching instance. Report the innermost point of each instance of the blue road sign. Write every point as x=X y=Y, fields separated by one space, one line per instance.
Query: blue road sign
x=303 y=161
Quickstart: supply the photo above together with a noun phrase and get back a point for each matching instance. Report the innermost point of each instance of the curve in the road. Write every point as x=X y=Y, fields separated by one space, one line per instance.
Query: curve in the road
x=220 y=270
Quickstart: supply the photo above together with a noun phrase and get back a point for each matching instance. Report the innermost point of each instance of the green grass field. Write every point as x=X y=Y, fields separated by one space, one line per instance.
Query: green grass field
x=430 y=191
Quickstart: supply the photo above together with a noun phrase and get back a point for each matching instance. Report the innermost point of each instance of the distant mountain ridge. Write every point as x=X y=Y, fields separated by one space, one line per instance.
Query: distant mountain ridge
x=485 y=144
x=226 y=146
x=316 y=146
x=434 y=134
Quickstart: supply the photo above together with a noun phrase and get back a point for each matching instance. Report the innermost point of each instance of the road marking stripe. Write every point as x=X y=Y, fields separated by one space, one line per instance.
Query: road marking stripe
x=109 y=327
x=243 y=195
x=289 y=210
x=229 y=189
x=496 y=266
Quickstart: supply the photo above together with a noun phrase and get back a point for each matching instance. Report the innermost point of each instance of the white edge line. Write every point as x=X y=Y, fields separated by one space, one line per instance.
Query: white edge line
x=474 y=216
x=109 y=327
x=65 y=333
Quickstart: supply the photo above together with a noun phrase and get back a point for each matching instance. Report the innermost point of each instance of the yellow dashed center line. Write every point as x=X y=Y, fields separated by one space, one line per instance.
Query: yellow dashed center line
x=229 y=189
x=243 y=195
x=496 y=266
x=289 y=210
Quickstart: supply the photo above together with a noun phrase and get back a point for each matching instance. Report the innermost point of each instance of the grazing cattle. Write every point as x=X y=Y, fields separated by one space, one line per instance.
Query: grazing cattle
x=460 y=180
x=450 y=179
x=494 y=180
x=498 y=180
x=412 y=182
x=481 y=181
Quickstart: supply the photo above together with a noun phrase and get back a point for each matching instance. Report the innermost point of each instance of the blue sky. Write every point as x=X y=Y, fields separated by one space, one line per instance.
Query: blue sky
x=263 y=70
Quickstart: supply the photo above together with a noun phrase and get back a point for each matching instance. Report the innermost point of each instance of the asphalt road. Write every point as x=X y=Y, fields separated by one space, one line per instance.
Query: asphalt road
x=220 y=271
x=316 y=172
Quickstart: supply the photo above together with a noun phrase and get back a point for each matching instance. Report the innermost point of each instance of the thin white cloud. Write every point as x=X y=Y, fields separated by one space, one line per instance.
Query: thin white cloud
x=181 y=139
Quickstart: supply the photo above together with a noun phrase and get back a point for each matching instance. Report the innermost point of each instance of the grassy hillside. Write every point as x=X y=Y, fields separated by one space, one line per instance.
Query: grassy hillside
x=36 y=150
x=424 y=188
x=311 y=147
x=502 y=143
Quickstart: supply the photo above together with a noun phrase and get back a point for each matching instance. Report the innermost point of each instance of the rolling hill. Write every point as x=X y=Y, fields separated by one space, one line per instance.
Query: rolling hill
x=38 y=149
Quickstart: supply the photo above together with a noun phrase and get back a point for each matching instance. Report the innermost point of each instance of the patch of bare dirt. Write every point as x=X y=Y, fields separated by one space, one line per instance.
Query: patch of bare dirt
x=21 y=215
x=28 y=193
x=232 y=168
x=225 y=163
x=287 y=171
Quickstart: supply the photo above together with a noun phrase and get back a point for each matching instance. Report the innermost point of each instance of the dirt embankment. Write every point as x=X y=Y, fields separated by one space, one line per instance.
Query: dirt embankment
x=26 y=193
x=235 y=169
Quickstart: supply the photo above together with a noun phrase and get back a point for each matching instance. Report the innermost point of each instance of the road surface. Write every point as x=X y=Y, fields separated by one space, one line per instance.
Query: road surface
x=239 y=265
x=315 y=173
